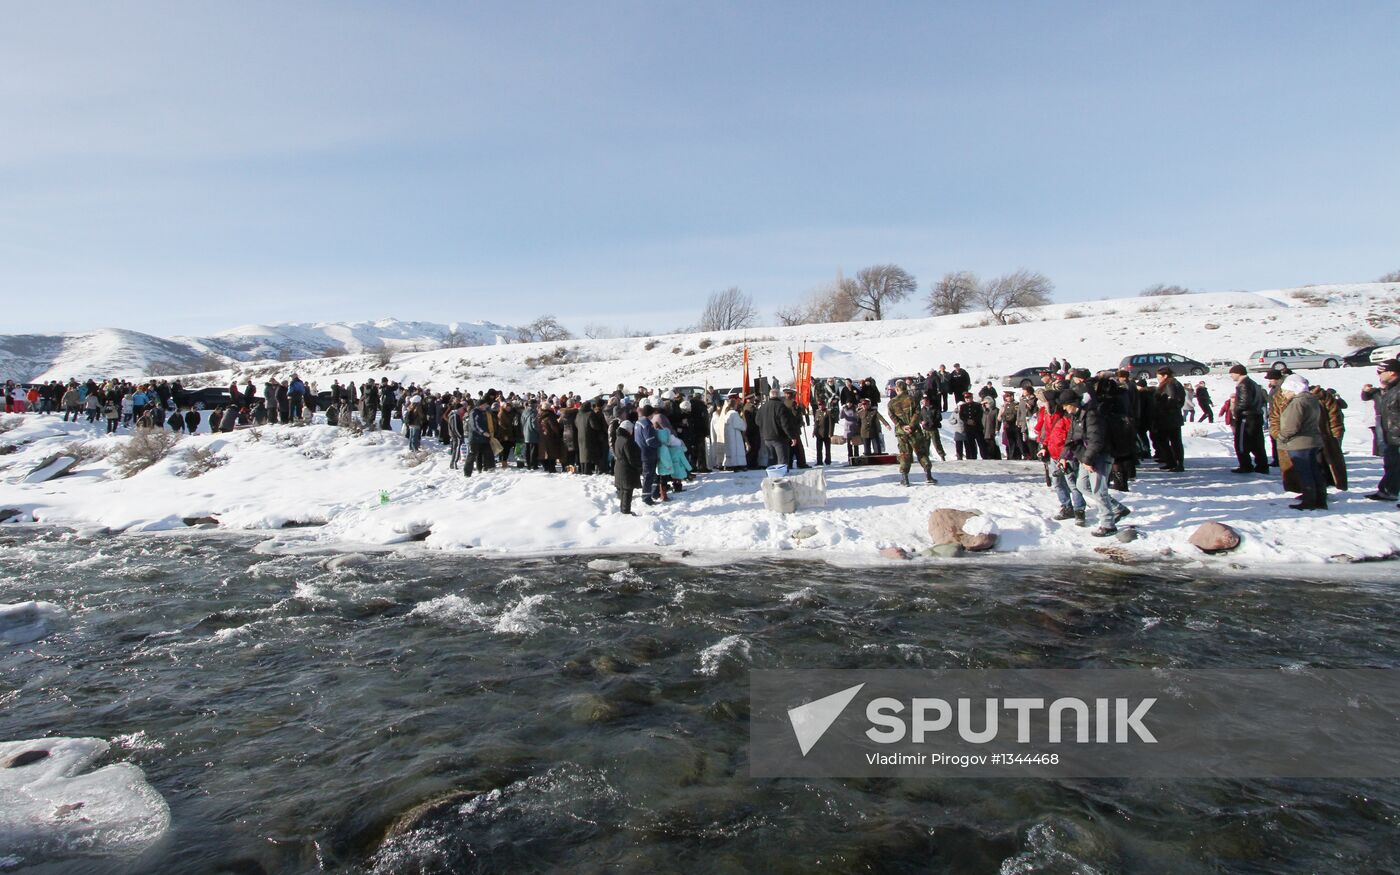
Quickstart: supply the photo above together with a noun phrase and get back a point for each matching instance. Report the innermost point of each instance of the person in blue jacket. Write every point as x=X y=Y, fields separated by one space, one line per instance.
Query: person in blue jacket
x=650 y=445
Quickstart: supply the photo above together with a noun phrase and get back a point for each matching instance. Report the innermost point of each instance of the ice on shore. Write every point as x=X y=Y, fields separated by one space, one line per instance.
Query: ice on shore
x=23 y=622
x=54 y=808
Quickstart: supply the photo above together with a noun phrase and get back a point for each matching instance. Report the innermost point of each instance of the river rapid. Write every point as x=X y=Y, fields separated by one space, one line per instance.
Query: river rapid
x=454 y=713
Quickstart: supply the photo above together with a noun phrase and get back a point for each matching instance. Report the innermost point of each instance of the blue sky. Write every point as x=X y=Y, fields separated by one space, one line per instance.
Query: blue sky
x=182 y=168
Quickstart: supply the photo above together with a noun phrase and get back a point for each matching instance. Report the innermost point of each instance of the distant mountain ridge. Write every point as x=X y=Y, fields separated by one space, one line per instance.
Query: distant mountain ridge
x=133 y=354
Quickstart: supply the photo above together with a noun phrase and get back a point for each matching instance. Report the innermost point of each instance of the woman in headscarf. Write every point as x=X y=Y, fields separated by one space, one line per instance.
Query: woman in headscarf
x=671 y=464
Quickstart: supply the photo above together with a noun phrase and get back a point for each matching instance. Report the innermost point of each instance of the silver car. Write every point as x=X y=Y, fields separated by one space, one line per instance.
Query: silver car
x=1293 y=357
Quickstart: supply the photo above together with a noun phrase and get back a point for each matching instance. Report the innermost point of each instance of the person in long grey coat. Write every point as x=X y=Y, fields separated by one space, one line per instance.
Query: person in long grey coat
x=627 y=465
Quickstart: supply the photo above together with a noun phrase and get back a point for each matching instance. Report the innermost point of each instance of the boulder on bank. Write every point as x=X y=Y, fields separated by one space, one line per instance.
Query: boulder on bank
x=966 y=528
x=349 y=560
x=199 y=521
x=894 y=553
x=945 y=551
x=608 y=566
x=1213 y=537
x=9 y=513
x=50 y=468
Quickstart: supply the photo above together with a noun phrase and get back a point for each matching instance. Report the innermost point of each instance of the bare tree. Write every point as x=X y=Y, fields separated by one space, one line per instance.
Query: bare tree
x=728 y=310
x=954 y=293
x=455 y=339
x=1018 y=290
x=381 y=354
x=543 y=329
x=1162 y=290
x=1392 y=277
x=878 y=286
x=832 y=302
x=598 y=331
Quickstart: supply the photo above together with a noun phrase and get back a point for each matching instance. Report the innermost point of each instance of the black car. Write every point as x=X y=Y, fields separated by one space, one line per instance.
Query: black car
x=203 y=399
x=1361 y=358
x=1024 y=378
x=1146 y=364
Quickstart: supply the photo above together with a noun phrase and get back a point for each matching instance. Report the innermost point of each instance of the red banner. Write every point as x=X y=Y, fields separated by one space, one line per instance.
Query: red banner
x=804 y=378
x=746 y=370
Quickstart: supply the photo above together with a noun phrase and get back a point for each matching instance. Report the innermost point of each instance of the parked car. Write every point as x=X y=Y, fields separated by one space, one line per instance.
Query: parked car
x=1146 y=365
x=1031 y=377
x=1293 y=357
x=205 y=399
x=1222 y=366
x=1361 y=356
x=909 y=381
x=1381 y=353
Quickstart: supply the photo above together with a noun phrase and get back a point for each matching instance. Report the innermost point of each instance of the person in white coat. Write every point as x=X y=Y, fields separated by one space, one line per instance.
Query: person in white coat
x=735 y=456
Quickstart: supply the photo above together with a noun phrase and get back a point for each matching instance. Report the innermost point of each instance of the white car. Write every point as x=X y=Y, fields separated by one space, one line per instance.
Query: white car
x=1292 y=357
x=1382 y=353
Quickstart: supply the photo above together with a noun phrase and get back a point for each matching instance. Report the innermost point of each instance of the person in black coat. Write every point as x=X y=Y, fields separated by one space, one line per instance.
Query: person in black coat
x=970 y=415
x=1247 y=420
x=191 y=420
x=627 y=465
x=959 y=381
x=1170 y=398
x=699 y=433
x=595 y=438
x=773 y=420
x=1203 y=401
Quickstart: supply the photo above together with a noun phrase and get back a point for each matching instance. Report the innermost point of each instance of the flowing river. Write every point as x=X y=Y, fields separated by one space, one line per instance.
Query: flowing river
x=574 y=720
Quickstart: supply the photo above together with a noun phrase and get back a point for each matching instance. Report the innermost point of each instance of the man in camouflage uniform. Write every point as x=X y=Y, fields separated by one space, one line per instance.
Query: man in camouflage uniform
x=908 y=427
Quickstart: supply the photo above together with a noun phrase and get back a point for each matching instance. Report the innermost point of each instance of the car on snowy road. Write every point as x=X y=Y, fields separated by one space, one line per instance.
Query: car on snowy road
x=1145 y=365
x=1292 y=357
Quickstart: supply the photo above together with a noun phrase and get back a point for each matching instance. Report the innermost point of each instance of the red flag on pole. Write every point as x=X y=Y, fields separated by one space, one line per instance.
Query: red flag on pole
x=804 y=378
x=746 y=370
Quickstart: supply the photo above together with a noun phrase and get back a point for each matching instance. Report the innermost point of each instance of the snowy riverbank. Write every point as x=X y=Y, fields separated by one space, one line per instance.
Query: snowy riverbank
x=327 y=484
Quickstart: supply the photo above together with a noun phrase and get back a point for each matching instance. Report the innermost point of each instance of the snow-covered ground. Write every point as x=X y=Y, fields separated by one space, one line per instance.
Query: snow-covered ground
x=323 y=476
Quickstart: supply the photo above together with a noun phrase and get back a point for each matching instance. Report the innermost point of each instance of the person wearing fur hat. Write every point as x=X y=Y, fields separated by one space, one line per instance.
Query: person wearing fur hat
x=1300 y=436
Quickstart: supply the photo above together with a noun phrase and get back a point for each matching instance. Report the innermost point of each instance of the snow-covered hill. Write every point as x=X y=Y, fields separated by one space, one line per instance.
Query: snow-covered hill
x=122 y=352
x=316 y=340
x=1096 y=334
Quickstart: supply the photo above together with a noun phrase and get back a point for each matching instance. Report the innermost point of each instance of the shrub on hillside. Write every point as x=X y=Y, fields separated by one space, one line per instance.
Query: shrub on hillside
x=201 y=460
x=1163 y=290
x=86 y=452
x=144 y=448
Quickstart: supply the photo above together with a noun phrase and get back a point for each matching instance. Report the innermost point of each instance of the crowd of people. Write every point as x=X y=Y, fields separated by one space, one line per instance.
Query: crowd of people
x=1090 y=431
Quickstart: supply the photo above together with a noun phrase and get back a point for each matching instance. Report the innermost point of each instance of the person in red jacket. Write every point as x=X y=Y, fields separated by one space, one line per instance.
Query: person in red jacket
x=1051 y=432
